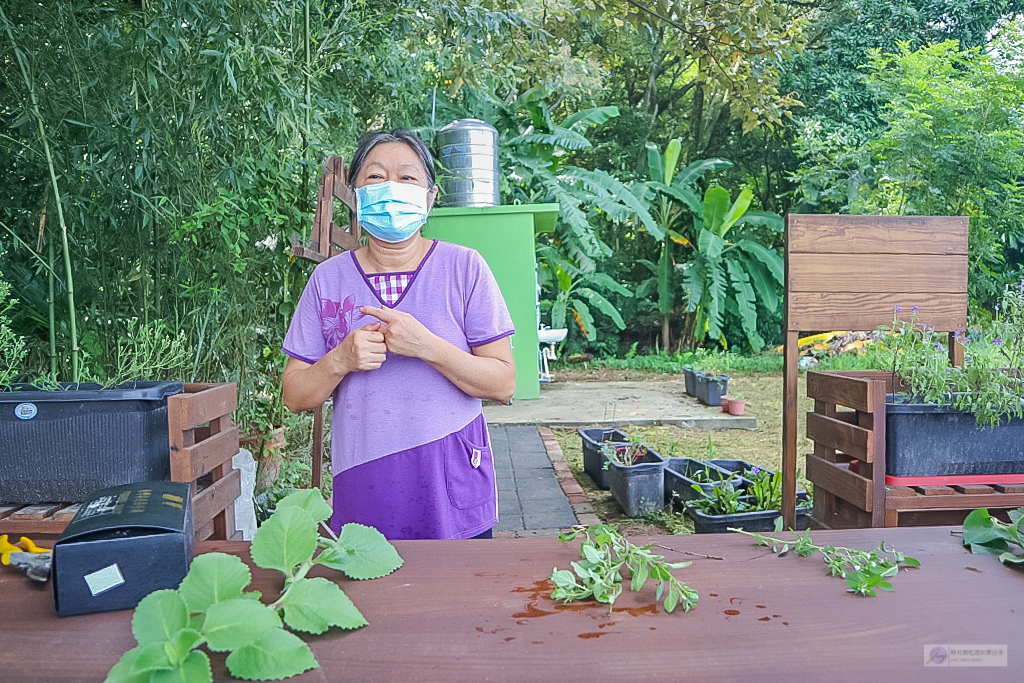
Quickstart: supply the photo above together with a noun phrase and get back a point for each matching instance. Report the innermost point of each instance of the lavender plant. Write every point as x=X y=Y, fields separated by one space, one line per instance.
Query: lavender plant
x=988 y=384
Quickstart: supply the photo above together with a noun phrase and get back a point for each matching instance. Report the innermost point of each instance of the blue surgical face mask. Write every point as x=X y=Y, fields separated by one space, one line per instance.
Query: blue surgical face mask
x=392 y=212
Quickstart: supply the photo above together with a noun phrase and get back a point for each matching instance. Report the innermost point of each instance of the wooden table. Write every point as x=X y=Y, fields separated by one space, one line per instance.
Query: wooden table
x=479 y=611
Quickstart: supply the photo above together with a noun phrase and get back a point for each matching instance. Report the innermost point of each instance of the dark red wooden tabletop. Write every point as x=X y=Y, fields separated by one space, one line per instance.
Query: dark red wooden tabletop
x=479 y=611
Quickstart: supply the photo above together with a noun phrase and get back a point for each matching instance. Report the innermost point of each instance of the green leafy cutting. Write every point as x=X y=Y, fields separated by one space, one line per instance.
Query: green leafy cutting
x=986 y=535
x=865 y=571
x=211 y=608
x=598 y=575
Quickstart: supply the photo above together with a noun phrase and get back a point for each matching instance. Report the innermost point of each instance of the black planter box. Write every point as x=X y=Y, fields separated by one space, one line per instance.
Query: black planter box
x=690 y=379
x=762 y=520
x=124 y=543
x=710 y=388
x=679 y=478
x=924 y=439
x=593 y=458
x=62 y=445
x=639 y=489
x=739 y=468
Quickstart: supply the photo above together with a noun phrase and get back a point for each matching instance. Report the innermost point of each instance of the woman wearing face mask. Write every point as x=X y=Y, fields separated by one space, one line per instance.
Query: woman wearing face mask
x=408 y=334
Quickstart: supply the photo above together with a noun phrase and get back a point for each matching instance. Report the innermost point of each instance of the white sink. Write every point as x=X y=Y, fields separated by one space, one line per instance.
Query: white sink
x=549 y=336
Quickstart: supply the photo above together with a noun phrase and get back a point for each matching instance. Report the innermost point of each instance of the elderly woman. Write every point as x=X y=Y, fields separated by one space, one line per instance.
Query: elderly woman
x=408 y=334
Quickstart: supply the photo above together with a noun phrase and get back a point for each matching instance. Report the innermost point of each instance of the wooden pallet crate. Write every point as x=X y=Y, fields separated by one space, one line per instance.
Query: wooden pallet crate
x=202 y=440
x=847 y=466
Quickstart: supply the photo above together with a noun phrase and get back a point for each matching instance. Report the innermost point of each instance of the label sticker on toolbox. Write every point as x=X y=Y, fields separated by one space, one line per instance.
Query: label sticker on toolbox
x=102 y=580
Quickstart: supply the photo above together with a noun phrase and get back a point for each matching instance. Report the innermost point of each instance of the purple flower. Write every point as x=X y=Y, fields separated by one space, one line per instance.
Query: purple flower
x=938 y=346
x=756 y=470
x=997 y=342
x=913 y=309
x=897 y=308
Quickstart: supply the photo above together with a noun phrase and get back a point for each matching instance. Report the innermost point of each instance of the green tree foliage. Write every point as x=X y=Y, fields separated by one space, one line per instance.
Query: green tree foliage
x=951 y=144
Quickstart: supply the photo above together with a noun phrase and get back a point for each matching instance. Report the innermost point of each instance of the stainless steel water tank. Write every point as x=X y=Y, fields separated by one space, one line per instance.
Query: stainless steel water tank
x=468 y=150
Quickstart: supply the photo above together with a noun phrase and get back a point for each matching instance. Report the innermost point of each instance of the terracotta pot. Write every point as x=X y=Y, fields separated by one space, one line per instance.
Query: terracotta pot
x=726 y=398
x=737 y=406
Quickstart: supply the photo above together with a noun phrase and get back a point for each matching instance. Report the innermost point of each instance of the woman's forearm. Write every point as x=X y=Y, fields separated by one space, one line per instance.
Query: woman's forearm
x=488 y=372
x=305 y=386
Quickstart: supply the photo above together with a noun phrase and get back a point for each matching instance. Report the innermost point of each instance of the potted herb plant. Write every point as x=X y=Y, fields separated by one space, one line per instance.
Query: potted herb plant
x=951 y=421
x=61 y=441
x=753 y=506
x=593 y=456
x=682 y=474
x=636 y=476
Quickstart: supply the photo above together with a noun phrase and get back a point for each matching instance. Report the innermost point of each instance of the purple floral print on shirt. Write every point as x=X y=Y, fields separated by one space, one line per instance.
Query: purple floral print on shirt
x=338 y=319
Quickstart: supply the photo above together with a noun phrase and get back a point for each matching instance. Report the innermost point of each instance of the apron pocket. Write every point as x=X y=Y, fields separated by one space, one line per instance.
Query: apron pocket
x=468 y=471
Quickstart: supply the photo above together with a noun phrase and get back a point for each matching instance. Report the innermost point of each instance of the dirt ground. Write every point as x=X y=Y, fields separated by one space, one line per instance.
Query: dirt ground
x=762 y=447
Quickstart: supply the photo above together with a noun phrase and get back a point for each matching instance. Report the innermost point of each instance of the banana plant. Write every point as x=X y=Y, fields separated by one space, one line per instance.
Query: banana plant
x=730 y=275
x=670 y=198
x=576 y=292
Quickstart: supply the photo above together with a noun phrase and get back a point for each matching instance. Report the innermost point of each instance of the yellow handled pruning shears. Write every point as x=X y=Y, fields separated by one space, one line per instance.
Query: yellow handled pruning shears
x=27 y=556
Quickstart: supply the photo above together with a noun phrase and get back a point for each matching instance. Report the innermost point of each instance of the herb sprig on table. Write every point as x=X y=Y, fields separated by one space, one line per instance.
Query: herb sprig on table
x=211 y=607
x=605 y=553
x=986 y=535
x=865 y=571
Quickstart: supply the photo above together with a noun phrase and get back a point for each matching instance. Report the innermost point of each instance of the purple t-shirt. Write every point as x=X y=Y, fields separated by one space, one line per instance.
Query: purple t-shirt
x=405 y=404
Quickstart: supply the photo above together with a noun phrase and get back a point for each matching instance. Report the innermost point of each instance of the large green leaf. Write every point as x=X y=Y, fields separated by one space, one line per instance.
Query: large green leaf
x=744 y=297
x=671 y=158
x=361 y=552
x=584 y=319
x=738 y=208
x=195 y=668
x=716 y=204
x=655 y=164
x=710 y=245
x=582 y=120
x=608 y=282
x=310 y=500
x=275 y=655
x=558 y=137
x=558 y=314
x=314 y=605
x=159 y=616
x=598 y=181
x=765 y=218
x=602 y=305
x=213 y=577
x=776 y=266
x=692 y=173
x=124 y=670
x=716 y=298
x=285 y=540
x=684 y=195
x=763 y=285
x=234 y=623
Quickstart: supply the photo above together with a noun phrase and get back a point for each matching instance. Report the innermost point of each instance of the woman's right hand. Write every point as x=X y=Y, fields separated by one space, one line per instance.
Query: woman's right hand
x=362 y=349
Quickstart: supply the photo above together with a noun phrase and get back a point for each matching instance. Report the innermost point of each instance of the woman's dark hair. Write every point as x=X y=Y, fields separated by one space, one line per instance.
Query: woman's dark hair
x=371 y=140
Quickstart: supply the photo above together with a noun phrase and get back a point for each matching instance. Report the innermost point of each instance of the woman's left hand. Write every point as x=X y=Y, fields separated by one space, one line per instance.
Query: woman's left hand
x=403 y=333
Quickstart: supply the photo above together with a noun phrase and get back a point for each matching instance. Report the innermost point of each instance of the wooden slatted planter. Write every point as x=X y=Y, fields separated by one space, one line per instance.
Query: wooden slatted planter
x=847 y=466
x=203 y=439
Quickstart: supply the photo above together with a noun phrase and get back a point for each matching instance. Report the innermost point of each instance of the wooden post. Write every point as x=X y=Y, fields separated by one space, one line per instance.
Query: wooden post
x=790 y=378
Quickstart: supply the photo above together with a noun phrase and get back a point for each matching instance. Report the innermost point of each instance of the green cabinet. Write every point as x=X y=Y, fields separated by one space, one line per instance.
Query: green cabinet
x=505 y=237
